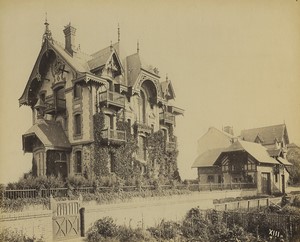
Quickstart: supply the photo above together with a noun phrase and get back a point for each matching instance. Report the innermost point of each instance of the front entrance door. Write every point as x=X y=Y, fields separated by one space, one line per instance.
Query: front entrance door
x=61 y=169
x=66 y=219
x=265 y=183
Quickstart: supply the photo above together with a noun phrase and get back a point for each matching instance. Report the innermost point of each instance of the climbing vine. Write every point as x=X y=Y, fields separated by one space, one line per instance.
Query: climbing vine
x=160 y=162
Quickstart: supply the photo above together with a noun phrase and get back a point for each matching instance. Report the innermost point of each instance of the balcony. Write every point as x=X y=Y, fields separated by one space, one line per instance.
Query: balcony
x=142 y=128
x=109 y=98
x=167 y=117
x=55 y=105
x=170 y=146
x=114 y=135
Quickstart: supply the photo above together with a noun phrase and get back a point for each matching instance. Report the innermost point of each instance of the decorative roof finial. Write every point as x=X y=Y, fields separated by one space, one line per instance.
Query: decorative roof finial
x=118 y=32
x=111 y=46
x=47 y=34
x=167 y=78
x=138 y=47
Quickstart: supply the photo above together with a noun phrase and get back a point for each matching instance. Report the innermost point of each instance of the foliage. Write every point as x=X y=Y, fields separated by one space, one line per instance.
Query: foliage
x=19 y=204
x=293 y=156
x=166 y=230
x=9 y=235
x=195 y=225
x=128 y=234
x=31 y=182
x=296 y=201
x=102 y=229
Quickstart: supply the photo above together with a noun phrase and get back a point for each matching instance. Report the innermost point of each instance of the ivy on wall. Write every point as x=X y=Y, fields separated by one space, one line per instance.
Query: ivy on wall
x=160 y=162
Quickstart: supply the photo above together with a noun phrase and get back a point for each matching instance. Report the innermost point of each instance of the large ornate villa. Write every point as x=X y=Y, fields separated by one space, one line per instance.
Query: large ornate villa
x=86 y=107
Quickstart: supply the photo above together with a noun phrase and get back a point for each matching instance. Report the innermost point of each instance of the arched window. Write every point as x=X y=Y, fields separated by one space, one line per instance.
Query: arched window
x=78 y=162
x=142 y=108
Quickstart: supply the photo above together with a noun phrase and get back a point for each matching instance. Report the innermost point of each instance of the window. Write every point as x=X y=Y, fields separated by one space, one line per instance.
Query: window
x=77 y=90
x=276 y=178
x=210 y=178
x=77 y=123
x=78 y=162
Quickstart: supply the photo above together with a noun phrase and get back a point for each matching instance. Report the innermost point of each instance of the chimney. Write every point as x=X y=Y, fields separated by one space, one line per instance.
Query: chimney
x=69 y=32
x=228 y=129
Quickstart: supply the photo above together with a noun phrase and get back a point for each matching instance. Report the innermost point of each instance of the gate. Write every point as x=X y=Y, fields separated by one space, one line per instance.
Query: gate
x=66 y=218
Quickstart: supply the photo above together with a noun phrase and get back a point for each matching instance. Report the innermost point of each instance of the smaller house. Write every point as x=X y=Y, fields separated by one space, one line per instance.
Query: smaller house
x=226 y=159
x=248 y=162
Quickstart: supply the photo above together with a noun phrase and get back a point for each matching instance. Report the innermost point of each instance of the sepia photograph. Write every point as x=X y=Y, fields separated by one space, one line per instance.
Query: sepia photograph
x=144 y=121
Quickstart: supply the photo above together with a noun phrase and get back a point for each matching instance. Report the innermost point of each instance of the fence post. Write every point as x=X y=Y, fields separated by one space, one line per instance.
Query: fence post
x=82 y=222
x=258 y=204
x=238 y=205
x=240 y=185
x=210 y=188
x=268 y=202
x=225 y=206
x=230 y=185
x=248 y=205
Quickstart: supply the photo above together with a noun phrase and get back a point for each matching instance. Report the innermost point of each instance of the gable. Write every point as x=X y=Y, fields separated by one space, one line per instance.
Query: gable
x=268 y=135
x=49 y=61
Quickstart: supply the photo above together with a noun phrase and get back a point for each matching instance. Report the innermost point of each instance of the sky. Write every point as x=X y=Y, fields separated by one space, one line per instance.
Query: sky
x=230 y=62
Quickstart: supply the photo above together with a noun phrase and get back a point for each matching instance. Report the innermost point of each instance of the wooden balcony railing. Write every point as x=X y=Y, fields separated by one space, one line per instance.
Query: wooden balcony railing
x=55 y=105
x=142 y=127
x=112 y=134
x=112 y=98
x=167 y=117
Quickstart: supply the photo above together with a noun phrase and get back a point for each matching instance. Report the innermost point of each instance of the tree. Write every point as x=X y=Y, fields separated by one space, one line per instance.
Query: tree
x=293 y=156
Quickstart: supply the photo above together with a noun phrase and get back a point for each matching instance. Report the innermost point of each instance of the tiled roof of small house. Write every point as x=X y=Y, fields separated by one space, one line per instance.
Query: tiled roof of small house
x=274 y=152
x=284 y=161
x=268 y=134
x=50 y=133
x=258 y=151
x=207 y=158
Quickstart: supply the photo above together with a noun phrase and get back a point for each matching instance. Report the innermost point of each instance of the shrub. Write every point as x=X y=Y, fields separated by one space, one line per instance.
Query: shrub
x=126 y=234
x=195 y=225
x=165 y=230
x=9 y=235
x=296 y=201
x=102 y=229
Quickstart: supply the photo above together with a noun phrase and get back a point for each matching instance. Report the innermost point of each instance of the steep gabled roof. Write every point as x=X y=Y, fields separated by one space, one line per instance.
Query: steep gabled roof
x=167 y=89
x=207 y=158
x=267 y=134
x=257 y=151
x=50 y=133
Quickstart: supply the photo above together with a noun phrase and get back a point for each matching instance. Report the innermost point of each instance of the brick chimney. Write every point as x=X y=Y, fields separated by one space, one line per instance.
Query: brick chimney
x=69 y=32
x=228 y=129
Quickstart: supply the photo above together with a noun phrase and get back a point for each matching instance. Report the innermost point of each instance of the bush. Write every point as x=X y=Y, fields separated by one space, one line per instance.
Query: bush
x=195 y=225
x=165 y=230
x=102 y=229
x=126 y=234
x=9 y=235
x=296 y=201
x=31 y=182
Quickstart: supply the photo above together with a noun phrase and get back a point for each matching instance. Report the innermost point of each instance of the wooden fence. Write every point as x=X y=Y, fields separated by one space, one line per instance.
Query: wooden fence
x=63 y=192
x=273 y=224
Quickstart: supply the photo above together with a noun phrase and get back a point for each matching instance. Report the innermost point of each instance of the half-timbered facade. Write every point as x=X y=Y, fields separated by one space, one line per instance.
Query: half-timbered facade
x=67 y=88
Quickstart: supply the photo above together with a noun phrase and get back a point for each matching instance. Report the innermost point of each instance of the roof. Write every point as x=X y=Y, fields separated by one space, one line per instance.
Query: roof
x=258 y=151
x=267 y=134
x=50 y=133
x=207 y=158
x=100 y=57
x=284 y=161
x=274 y=152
